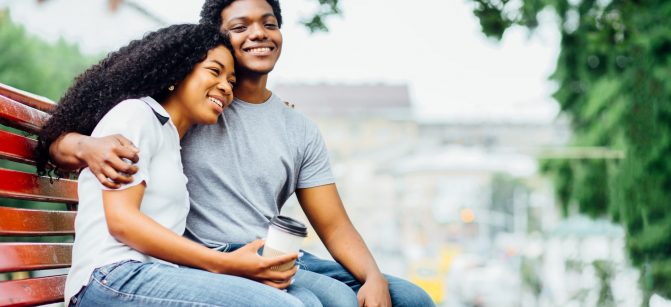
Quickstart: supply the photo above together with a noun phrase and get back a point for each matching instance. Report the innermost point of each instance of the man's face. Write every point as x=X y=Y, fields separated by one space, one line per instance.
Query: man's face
x=254 y=33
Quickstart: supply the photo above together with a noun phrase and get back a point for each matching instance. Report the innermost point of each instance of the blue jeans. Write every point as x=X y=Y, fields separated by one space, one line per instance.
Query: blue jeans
x=328 y=291
x=335 y=286
x=403 y=293
x=133 y=283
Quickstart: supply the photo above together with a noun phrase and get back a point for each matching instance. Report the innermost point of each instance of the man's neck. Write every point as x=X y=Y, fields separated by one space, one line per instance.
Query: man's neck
x=252 y=88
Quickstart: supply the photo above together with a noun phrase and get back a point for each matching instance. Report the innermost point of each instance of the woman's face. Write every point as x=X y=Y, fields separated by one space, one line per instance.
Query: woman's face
x=208 y=89
x=254 y=34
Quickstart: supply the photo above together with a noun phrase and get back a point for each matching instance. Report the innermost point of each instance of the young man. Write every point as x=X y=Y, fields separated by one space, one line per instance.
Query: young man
x=242 y=169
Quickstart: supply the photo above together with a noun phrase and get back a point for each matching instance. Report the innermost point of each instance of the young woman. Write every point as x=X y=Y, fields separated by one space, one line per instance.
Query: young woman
x=128 y=248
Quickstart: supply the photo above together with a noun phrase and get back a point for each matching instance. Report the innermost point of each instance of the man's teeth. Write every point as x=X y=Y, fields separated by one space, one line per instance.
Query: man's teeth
x=259 y=50
x=216 y=101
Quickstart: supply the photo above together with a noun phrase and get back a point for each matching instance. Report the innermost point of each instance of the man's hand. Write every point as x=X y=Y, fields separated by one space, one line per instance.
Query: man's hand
x=246 y=262
x=104 y=158
x=374 y=292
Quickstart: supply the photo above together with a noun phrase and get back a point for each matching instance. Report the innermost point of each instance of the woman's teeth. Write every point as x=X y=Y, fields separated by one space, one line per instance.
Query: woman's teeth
x=216 y=101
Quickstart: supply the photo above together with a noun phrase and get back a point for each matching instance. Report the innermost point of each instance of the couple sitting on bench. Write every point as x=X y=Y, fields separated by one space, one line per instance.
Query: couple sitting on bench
x=186 y=156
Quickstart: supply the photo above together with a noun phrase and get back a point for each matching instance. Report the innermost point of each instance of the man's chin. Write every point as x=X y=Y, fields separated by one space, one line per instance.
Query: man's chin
x=260 y=70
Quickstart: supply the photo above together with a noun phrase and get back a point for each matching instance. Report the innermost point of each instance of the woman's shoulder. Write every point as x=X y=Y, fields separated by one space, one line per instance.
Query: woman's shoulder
x=133 y=106
x=129 y=114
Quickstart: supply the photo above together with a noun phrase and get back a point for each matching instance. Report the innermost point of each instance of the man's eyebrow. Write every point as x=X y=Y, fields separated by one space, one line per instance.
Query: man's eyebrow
x=266 y=15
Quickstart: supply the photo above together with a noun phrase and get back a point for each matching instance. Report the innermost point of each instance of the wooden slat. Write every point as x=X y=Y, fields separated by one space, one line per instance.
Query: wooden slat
x=17 y=148
x=34 y=256
x=32 y=292
x=20 y=116
x=29 y=99
x=20 y=185
x=26 y=222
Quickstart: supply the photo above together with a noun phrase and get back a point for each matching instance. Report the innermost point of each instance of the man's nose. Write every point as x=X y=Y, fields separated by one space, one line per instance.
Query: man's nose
x=258 y=32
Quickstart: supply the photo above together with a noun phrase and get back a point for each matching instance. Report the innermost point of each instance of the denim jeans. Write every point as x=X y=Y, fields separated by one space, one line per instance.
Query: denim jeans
x=329 y=292
x=403 y=293
x=133 y=283
x=335 y=286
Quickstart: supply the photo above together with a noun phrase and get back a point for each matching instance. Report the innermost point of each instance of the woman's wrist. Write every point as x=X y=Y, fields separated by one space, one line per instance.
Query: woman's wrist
x=216 y=262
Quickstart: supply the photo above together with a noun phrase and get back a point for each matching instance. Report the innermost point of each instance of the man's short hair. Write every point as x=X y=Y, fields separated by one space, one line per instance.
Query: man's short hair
x=211 y=11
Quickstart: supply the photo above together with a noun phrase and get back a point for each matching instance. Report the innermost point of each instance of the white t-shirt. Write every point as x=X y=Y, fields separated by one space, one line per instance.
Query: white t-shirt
x=146 y=123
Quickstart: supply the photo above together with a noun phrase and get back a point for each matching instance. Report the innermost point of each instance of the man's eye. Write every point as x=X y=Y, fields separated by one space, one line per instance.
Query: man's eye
x=238 y=28
x=271 y=26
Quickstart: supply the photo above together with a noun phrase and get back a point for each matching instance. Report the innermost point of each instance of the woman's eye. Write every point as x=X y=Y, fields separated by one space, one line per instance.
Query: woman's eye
x=214 y=71
x=232 y=83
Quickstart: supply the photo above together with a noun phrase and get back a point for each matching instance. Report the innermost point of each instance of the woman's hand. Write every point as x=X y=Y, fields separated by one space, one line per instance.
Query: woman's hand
x=104 y=155
x=246 y=262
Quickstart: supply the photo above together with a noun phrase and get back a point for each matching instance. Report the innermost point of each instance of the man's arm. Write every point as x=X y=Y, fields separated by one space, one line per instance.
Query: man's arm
x=102 y=155
x=326 y=213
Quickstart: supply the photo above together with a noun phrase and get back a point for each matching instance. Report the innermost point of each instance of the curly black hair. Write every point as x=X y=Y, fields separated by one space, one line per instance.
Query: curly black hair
x=210 y=14
x=145 y=67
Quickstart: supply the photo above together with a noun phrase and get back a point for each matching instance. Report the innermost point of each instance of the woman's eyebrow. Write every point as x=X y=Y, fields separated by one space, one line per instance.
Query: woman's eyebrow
x=220 y=64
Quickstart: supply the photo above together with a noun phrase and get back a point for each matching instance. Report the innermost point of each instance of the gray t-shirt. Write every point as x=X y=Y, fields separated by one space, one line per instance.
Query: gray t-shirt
x=242 y=169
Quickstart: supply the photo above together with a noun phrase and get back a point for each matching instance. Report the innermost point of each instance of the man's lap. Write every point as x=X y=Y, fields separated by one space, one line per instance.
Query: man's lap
x=403 y=293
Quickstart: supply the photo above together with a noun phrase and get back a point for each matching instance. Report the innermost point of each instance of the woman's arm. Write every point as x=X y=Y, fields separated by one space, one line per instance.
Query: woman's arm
x=327 y=215
x=102 y=155
x=130 y=226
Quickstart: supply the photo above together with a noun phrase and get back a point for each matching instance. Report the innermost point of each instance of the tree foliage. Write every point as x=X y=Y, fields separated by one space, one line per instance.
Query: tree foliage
x=614 y=77
x=30 y=64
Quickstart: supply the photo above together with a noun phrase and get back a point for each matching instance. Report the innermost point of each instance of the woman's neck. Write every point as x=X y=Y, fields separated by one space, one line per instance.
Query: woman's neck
x=251 y=88
x=178 y=117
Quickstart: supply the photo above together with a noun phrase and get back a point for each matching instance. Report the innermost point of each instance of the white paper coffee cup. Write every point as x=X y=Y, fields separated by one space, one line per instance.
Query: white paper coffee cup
x=285 y=235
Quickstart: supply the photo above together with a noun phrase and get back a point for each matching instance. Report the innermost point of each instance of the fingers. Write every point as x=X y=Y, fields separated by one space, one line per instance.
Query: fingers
x=127 y=149
x=123 y=167
x=282 y=259
x=280 y=280
x=360 y=299
x=278 y=285
x=103 y=180
x=115 y=176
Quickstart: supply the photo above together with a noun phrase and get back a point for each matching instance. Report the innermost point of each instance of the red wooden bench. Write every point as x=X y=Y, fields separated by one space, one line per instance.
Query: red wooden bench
x=27 y=113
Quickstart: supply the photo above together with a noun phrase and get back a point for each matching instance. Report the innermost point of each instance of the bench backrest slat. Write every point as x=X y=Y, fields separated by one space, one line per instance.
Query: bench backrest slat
x=31 y=292
x=27 y=222
x=20 y=116
x=17 y=148
x=28 y=113
x=29 y=99
x=34 y=256
x=20 y=185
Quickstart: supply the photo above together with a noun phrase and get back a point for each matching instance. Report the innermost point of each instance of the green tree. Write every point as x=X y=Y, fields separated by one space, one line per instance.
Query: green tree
x=30 y=64
x=614 y=77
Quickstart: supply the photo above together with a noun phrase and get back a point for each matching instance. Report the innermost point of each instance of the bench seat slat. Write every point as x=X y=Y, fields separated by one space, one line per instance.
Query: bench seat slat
x=16 y=257
x=17 y=148
x=20 y=185
x=26 y=222
x=31 y=292
x=20 y=116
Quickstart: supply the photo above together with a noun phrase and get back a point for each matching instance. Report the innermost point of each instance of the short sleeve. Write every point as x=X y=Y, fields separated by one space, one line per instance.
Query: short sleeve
x=315 y=169
x=134 y=120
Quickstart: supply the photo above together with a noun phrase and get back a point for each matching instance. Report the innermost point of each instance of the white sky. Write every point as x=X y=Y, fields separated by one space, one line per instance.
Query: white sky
x=435 y=46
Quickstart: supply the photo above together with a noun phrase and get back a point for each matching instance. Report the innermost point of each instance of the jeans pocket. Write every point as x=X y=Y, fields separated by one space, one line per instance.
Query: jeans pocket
x=102 y=272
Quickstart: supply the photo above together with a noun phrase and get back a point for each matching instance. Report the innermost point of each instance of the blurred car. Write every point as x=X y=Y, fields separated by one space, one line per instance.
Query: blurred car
x=427 y=275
